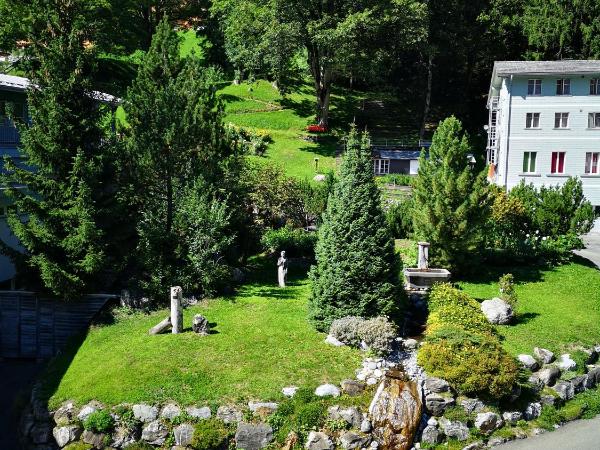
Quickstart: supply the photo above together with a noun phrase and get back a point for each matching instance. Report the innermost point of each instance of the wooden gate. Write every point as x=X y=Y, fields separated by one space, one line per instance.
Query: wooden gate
x=33 y=327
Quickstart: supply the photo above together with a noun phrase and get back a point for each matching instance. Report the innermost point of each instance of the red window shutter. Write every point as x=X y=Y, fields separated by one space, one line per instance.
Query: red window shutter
x=553 y=167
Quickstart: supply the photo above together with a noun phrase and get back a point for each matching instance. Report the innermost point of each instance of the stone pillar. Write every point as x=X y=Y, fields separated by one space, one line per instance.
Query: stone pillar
x=176 y=310
x=423 y=255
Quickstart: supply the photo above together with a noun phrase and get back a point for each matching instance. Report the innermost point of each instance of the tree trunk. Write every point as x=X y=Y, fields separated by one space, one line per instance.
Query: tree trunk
x=169 y=182
x=160 y=327
x=176 y=310
x=322 y=81
x=427 y=97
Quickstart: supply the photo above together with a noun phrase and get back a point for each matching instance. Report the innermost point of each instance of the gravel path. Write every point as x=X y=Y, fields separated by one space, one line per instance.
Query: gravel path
x=591 y=250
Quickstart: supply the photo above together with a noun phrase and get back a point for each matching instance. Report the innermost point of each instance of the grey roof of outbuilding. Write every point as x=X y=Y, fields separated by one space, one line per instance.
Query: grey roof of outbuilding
x=20 y=84
x=503 y=68
x=396 y=154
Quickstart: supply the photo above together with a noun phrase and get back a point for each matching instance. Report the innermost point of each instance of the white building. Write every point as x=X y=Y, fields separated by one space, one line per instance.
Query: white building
x=544 y=124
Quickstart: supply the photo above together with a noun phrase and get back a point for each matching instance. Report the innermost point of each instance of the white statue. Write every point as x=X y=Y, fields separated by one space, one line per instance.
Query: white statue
x=282 y=268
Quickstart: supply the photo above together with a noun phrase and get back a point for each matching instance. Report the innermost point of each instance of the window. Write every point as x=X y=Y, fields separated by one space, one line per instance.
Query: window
x=595 y=86
x=534 y=87
x=558 y=162
x=381 y=166
x=532 y=120
x=17 y=110
x=591 y=162
x=561 y=120
x=594 y=120
x=529 y=162
x=563 y=86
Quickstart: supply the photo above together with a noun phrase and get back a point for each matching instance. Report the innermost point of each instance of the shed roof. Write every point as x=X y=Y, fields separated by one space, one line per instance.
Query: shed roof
x=396 y=154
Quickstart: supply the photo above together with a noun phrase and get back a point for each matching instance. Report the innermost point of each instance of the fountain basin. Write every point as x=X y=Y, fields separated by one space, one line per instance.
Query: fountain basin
x=423 y=279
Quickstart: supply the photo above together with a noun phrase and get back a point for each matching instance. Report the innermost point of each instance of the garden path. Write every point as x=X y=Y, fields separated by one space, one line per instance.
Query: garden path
x=592 y=248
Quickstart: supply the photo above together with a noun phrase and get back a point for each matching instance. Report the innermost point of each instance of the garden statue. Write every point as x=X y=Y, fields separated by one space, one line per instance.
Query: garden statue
x=282 y=268
x=423 y=262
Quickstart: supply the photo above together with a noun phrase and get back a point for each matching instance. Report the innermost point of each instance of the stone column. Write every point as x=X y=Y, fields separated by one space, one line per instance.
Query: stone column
x=423 y=255
x=176 y=310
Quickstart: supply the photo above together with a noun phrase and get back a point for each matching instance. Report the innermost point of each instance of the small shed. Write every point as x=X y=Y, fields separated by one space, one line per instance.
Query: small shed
x=404 y=161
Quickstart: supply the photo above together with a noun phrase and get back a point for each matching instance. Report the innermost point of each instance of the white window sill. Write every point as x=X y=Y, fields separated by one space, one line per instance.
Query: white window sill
x=593 y=129
x=530 y=174
x=590 y=175
x=532 y=128
x=561 y=128
x=558 y=175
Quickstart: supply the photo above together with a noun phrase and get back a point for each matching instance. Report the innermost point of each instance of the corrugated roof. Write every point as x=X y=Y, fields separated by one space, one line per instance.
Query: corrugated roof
x=396 y=154
x=13 y=83
x=502 y=68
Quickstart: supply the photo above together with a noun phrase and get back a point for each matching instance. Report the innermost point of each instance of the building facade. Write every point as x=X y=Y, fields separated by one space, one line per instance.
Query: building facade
x=544 y=124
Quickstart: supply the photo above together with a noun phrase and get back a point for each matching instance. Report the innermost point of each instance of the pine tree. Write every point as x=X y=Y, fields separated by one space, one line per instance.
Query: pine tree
x=450 y=198
x=356 y=273
x=182 y=156
x=60 y=188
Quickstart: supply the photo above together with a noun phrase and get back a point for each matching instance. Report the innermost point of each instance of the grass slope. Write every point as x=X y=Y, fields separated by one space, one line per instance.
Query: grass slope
x=262 y=342
x=556 y=307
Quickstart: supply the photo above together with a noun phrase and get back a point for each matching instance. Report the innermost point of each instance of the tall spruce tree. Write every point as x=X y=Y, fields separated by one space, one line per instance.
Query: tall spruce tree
x=356 y=273
x=450 y=198
x=59 y=191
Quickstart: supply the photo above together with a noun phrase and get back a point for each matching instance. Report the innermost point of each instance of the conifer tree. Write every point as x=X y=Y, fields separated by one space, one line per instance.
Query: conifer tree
x=59 y=191
x=356 y=273
x=450 y=198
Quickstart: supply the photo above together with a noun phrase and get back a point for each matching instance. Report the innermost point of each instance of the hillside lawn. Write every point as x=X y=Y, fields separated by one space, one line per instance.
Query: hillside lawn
x=261 y=343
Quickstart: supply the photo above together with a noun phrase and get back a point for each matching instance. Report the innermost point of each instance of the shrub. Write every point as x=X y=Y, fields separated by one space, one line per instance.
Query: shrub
x=295 y=241
x=310 y=415
x=379 y=334
x=549 y=417
x=84 y=446
x=397 y=179
x=399 y=218
x=250 y=141
x=139 y=446
x=210 y=434
x=506 y=287
x=347 y=330
x=462 y=347
x=304 y=396
x=99 y=422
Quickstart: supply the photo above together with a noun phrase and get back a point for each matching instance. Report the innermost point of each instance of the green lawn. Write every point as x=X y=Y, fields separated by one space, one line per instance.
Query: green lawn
x=262 y=342
x=556 y=308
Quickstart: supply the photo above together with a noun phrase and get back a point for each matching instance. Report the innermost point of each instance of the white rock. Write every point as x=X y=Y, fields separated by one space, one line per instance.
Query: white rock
x=497 y=311
x=566 y=363
x=410 y=344
x=170 y=411
x=319 y=178
x=198 y=413
x=528 y=362
x=377 y=373
x=532 y=411
x=333 y=341
x=327 y=390
x=544 y=355
x=265 y=406
x=289 y=391
x=145 y=413
x=86 y=411
x=432 y=422
x=371 y=381
x=67 y=434
x=487 y=422
x=183 y=434
x=229 y=414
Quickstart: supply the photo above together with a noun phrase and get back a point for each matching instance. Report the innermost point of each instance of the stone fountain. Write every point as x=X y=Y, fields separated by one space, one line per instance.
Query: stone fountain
x=422 y=277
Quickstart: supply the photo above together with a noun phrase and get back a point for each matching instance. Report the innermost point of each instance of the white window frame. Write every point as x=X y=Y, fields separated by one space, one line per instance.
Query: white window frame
x=595 y=86
x=594 y=120
x=562 y=120
x=532 y=121
x=554 y=168
x=592 y=163
x=527 y=156
x=381 y=166
x=563 y=86
x=534 y=86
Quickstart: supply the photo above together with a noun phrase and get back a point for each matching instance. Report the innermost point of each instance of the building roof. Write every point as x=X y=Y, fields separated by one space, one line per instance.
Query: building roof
x=20 y=84
x=396 y=154
x=567 y=66
x=503 y=69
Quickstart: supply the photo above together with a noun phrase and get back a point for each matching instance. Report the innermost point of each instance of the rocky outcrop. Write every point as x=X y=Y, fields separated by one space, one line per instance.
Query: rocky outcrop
x=253 y=436
x=396 y=411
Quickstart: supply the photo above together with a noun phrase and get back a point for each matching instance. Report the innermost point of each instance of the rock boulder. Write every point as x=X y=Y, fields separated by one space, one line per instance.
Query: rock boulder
x=543 y=355
x=327 y=390
x=253 y=436
x=200 y=325
x=488 y=422
x=497 y=311
x=528 y=362
x=318 y=441
x=548 y=375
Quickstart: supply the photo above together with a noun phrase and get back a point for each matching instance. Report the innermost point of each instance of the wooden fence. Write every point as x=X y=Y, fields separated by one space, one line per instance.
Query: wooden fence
x=34 y=327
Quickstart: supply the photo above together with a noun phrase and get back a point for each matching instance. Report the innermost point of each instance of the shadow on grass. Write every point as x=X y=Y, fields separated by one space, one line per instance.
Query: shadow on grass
x=523 y=318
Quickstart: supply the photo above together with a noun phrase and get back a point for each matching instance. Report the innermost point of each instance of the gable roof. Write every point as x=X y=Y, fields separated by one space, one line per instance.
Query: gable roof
x=567 y=66
x=20 y=84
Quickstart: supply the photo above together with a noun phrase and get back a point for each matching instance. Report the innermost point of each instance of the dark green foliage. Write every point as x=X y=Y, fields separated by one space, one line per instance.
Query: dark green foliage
x=186 y=188
x=399 y=217
x=99 y=422
x=450 y=199
x=84 y=446
x=210 y=434
x=310 y=415
x=462 y=347
x=140 y=446
x=555 y=210
x=72 y=195
x=295 y=241
x=357 y=269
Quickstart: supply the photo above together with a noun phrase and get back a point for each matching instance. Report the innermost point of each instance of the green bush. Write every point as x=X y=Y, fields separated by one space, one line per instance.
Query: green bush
x=347 y=330
x=99 y=422
x=310 y=415
x=462 y=347
x=210 y=434
x=81 y=446
x=139 y=446
x=295 y=241
x=250 y=141
x=399 y=218
x=549 y=417
x=377 y=333
x=397 y=179
x=304 y=396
